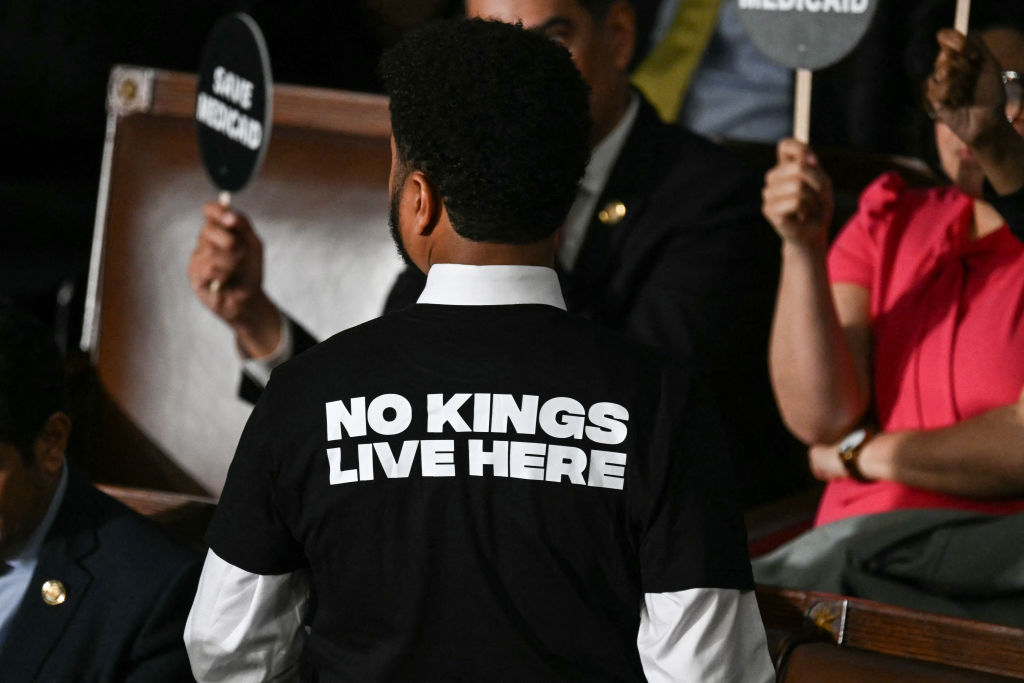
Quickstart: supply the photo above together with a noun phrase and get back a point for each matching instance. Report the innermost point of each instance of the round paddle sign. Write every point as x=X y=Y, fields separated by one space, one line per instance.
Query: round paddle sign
x=233 y=102
x=806 y=34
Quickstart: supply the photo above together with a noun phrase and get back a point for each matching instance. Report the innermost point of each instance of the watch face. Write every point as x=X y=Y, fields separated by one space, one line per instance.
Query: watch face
x=852 y=440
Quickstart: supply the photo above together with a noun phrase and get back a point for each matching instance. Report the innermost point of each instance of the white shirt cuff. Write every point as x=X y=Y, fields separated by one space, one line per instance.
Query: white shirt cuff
x=259 y=369
x=703 y=634
x=246 y=627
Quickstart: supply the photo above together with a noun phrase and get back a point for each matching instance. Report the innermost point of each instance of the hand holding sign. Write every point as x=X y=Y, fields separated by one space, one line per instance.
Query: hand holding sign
x=233 y=105
x=233 y=119
x=975 y=93
x=965 y=90
x=797 y=197
x=229 y=251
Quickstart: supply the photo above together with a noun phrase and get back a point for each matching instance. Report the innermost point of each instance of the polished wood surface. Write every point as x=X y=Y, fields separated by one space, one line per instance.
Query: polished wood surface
x=295 y=106
x=884 y=629
x=319 y=203
x=820 y=663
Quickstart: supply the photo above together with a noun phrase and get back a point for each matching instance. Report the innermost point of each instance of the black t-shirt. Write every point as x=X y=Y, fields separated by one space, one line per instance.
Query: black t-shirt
x=482 y=493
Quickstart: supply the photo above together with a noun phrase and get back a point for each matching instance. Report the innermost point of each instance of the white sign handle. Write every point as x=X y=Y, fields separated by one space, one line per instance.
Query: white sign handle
x=963 y=15
x=802 y=106
x=224 y=198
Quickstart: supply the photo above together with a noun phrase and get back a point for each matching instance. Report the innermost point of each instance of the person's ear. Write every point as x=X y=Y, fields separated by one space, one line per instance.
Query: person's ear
x=52 y=442
x=620 y=31
x=425 y=203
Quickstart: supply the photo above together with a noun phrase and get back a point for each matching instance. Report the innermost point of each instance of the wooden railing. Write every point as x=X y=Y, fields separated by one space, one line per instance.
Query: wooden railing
x=907 y=640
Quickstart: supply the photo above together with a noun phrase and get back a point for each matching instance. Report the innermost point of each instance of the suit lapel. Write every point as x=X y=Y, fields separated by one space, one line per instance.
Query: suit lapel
x=37 y=627
x=634 y=176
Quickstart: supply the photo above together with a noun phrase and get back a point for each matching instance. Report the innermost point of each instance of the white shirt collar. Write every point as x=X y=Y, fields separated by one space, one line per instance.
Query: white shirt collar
x=29 y=553
x=604 y=155
x=456 y=284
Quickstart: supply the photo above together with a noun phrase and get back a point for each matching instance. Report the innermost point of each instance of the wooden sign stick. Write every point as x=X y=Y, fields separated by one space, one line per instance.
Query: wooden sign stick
x=802 y=106
x=963 y=14
x=224 y=198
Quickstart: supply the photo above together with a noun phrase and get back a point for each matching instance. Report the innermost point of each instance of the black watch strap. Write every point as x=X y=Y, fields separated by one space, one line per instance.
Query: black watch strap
x=849 y=454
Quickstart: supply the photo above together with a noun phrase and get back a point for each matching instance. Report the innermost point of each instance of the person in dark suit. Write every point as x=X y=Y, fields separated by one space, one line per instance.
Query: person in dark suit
x=89 y=590
x=664 y=242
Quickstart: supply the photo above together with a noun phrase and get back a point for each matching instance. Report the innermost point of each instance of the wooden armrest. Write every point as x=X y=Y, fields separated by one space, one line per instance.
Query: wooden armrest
x=816 y=661
x=880 y=628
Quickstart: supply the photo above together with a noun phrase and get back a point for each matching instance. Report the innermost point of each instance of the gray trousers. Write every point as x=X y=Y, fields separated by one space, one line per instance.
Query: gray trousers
x=952 y=562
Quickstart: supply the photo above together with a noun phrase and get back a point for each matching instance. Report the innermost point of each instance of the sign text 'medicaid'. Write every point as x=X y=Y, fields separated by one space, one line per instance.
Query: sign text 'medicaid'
x=833 y=6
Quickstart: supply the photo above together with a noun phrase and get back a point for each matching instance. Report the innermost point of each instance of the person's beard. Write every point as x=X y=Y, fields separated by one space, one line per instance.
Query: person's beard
x=393 y=219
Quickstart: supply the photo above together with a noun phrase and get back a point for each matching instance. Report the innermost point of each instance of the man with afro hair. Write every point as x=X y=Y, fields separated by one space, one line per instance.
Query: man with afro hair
x=664 y=241
x=480 y=486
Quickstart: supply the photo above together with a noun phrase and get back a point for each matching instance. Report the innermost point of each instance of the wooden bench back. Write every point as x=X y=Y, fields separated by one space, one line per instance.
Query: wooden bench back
x=184 y=516
x=319 y=203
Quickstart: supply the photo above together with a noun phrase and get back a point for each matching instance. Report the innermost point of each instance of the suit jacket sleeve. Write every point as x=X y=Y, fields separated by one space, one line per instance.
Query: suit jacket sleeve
x=159 y=654
x=248 y=388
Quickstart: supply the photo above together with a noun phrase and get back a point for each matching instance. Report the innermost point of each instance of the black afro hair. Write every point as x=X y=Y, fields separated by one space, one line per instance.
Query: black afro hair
x=497 y=118
x=31 y=378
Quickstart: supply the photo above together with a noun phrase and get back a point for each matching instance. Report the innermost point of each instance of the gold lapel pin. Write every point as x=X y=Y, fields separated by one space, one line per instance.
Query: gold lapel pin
x=612 y=213
x=54 y=592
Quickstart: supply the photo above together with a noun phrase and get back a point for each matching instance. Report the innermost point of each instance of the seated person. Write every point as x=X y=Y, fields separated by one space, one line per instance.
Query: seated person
x=908 y=336
x=89 y=590
x=480 y=486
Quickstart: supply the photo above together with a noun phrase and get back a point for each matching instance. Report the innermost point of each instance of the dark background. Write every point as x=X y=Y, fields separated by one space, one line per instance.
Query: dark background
x=55 y=58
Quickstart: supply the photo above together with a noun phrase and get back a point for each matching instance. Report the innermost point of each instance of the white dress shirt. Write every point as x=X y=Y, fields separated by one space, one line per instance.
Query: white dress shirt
x=248 y=627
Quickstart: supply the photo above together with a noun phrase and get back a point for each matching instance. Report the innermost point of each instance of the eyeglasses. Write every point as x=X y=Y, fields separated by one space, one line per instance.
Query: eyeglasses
x=1014 y=87
x=1013 y=84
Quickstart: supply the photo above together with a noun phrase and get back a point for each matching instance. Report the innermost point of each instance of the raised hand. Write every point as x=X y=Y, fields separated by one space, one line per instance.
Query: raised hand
x=226 y=274
x=965 y=90
x=797 y=197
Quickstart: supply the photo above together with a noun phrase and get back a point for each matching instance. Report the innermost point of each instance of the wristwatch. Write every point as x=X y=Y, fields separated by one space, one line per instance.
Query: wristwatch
x=849 y=450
